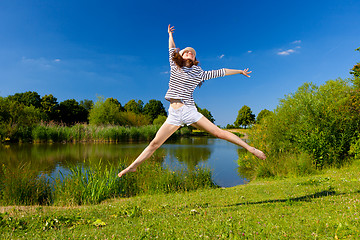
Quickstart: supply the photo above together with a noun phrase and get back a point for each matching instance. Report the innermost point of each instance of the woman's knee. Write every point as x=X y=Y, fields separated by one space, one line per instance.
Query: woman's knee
x=219 y=133
x=154 y=144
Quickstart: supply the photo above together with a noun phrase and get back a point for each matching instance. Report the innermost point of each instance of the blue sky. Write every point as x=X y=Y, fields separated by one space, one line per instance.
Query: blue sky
x=84 y=49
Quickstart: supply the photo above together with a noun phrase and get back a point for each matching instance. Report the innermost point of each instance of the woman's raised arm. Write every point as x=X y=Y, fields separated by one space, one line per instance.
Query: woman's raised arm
x=171 y=39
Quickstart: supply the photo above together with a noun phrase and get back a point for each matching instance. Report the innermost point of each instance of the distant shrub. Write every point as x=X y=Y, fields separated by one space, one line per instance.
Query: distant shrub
x=160 y=120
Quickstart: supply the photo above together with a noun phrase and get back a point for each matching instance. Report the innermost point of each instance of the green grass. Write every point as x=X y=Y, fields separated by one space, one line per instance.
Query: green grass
x=323 y=206
x=95 y=181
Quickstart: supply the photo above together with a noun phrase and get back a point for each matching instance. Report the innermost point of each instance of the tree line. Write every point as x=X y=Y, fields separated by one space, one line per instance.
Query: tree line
x=21 y=112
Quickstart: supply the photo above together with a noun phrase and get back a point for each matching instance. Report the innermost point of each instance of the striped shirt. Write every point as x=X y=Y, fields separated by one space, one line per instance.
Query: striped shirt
x=183 y=81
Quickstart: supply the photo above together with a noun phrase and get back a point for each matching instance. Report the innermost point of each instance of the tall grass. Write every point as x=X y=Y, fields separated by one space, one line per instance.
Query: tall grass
x=93 y=182
x=84 y=132
x=87 y=186
x=24 y=186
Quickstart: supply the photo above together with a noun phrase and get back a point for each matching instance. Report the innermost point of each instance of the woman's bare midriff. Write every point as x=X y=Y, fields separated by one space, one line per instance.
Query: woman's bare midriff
x=176 y=103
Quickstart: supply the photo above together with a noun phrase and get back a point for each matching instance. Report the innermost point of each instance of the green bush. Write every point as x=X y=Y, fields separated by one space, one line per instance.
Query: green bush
x=110 y=112
x=320 y=122
x=159 y=120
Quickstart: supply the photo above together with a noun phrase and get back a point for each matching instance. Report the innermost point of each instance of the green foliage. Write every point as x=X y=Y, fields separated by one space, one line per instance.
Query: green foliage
x=355 y=150
x=17 y=119
x=104 y=112
x=356 y=69
x=245 y=117
x=87 y=104
x=83 y=132
x=88 y=186
x=153 y=109
x=110 y=112
x=320 y=122
x=22 y=186
x=72 y=112
x=50 y=107
x=159 y=120
x=27 y=98
x=325 y=206
x=262 y=114
x=230 y=126
x=206 y=114
x=133 y=106
x=133 y=119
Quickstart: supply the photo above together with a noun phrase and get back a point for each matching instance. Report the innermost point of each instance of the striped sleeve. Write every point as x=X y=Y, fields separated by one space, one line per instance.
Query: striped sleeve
x=171 y=55
x=206 y=75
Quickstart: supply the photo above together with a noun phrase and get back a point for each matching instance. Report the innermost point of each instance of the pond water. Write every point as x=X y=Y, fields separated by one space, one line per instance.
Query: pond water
x=218 y=155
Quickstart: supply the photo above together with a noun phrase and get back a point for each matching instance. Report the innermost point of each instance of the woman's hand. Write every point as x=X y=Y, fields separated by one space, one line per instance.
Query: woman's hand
x=171 y=39
x=244 y=72
x=170 y=29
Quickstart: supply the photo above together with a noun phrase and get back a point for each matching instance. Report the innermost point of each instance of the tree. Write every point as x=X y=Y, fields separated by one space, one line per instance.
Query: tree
x=71 y=112
x=87 y=104
x=50 y=107
x=27 y=98
x=153 y=109
x=245 y=117
x=262 y=114
x=105 y=112
x=133 y=106
x=115 y=102
x=206 y=113
x=356 y=69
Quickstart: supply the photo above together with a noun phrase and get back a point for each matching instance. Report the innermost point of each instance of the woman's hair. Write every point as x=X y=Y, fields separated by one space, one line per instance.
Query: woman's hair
x=180 y=62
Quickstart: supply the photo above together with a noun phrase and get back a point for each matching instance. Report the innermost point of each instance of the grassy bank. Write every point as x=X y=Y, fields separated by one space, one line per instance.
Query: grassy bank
x=323 y=206
x=94 y=182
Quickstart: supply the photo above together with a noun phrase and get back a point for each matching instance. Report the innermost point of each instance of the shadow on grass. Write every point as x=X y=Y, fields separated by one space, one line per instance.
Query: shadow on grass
x=306 y=198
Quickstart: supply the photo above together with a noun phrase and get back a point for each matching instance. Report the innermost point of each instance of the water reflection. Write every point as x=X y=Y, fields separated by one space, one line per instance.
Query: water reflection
x=216 y=154
x=190 y=152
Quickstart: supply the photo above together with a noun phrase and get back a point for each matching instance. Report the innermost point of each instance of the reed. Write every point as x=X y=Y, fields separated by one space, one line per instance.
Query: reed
x=95 y=183
x=85 y=185
x=24 y=186
x=84 y=133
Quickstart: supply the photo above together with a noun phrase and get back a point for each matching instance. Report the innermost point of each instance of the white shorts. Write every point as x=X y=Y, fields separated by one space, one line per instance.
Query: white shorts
x=183 y=115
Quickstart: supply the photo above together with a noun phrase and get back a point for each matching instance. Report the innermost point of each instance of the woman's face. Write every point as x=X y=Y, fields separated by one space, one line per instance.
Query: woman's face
x=188 y=55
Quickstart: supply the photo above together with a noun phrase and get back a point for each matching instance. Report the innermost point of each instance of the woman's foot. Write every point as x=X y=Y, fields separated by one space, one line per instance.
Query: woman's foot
x=125 y=171
x=258 y=153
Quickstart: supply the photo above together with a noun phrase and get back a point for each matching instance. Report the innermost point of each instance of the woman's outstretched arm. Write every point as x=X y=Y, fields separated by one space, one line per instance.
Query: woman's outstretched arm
x=171 y=39
x=244 y=72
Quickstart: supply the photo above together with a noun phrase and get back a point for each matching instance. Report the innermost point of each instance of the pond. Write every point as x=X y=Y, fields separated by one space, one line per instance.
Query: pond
x=218 y=155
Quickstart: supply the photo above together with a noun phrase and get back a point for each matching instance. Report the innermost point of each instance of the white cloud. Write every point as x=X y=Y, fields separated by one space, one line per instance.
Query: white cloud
x=249 y=51
x=40 y=62
x=286 y=52
x=221 y=56
x=290 y=50
x=57 y=60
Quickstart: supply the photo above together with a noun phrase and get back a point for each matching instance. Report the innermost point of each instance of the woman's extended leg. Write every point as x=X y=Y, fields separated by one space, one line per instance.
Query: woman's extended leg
x=165 y=131
x=205 y=124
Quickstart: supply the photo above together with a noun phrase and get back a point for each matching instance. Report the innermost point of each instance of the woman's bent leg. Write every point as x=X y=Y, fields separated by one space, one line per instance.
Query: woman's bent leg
x=205 y=124
x=165 y=131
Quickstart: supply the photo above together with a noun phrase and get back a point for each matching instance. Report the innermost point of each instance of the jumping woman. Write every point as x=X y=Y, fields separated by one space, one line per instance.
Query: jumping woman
x=185 y=76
